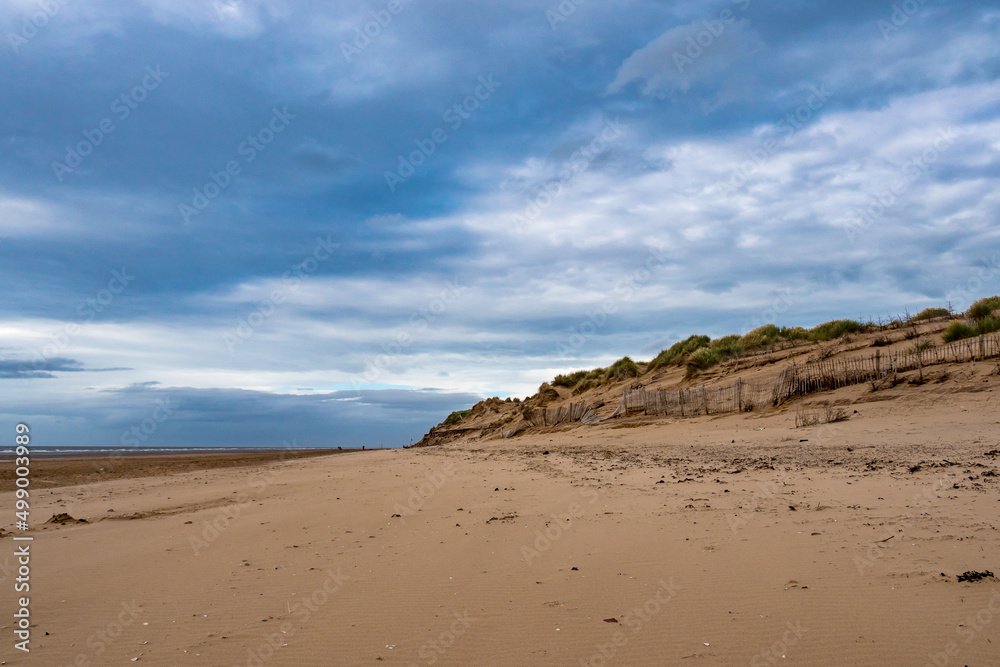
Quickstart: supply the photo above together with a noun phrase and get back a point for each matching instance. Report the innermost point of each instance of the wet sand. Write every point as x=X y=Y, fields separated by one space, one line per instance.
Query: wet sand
x=75 y=468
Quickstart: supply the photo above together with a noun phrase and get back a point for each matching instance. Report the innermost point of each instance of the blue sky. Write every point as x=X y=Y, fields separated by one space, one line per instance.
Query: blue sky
x=333 y=223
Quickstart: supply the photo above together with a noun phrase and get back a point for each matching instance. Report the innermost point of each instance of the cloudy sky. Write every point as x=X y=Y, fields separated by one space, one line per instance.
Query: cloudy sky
x=257 y=221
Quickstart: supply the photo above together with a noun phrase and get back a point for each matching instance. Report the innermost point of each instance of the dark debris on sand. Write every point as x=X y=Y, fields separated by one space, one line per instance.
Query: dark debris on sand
x=63 y=518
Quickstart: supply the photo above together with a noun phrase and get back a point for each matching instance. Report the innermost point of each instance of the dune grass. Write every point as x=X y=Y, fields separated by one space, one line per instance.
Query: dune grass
x=678 y=352
x=930 y=314
x=766 y=337
x=835 y=329
x=962 y=330
x=979 y=320
x=703 y=359
x=457 y=416
x=569 y=380
x=621 y=369
x=699 y=353
x=580 y=381
x=576 y=379
x=983 y=308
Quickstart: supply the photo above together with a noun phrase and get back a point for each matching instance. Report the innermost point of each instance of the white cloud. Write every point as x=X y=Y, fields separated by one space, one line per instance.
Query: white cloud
x=24 y=217
x=682 y=55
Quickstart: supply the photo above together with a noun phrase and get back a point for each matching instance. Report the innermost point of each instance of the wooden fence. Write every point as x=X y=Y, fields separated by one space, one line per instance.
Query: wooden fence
x=795 y=380
x=741 y=396
x=800 y=379
x=574 y=412
x=567 y=413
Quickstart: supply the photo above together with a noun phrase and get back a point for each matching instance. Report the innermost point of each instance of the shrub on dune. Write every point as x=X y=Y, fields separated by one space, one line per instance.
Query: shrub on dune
x=621 y=369
x=728 y=346
x=957 y=331
x=987 y=325
x=678 y=352
x=703 y=359
x=546 y=393
x=456 y=416
x=983 y=308
x=794 y=333
x=834 y=329
x=570 y=380
x=761 y=337
x=961 y=330
x=930 y=314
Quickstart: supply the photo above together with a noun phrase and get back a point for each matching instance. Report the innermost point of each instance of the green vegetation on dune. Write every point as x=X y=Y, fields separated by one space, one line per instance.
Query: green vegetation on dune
x=546 y=393
x=958 y=331
x=980 y=320
x=983 y=308
x=703 y=359
x=987 y=325
x=766 y=337
x=678 y=352
x=699 y=353
x=770 y=335
x=961 y=330
x=570 y=380
x=728 y=346
x=930 y=314
x=621 y=369
x=457 y=416
x=577 y=378
x=761 y=337
x=580 y=381
x=835 y=329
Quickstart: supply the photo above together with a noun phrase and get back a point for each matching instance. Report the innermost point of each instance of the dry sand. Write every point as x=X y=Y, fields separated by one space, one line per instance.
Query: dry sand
x=764 y=544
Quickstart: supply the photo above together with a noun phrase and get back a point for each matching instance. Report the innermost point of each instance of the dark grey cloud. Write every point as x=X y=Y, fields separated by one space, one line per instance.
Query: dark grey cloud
x=41 y=368
x=151 y=416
